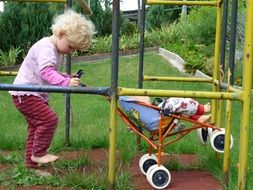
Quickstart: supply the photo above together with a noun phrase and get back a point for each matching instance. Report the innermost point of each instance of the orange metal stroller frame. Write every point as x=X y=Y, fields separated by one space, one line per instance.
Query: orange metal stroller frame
x=150 y=164
x=163 y=133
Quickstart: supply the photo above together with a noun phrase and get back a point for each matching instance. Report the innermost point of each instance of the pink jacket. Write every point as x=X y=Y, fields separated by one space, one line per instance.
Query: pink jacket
x=40 y=68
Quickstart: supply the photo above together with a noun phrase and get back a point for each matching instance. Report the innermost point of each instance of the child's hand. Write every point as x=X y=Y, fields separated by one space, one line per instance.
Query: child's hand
x=74 y=82
x=74 y=75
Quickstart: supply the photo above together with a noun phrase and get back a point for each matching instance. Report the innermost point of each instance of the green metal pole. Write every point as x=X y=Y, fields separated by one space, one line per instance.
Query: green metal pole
x=226 y=160
x=178 y=79
x=247 y=86
x=112 y=148
x=8 y=73
x=180 y=93
x=216 y=68
x=168 y=2
x=113 y=95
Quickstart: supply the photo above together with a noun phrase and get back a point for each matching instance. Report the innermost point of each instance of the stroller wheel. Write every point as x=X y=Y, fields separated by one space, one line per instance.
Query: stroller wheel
x=203 y=134
x=146 y=162
x=218 y=141
x=159 y=177
x=149 y=170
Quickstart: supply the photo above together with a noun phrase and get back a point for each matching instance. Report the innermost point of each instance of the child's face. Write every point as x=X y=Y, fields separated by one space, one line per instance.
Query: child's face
x=63 y=46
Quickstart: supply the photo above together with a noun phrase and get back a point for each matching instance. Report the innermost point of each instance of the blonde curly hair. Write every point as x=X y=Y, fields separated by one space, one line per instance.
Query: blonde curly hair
x=76 y=27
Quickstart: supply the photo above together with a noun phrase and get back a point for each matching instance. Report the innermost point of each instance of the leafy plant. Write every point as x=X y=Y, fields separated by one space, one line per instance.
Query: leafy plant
x=9 y=58
x=195 y=27
x=158 y=15
x=11 y=158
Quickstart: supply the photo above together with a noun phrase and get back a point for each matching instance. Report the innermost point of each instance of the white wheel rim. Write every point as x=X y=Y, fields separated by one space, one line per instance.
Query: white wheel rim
x=153 y=171
x=200 y=136
x=144 y=159
x=149 y=170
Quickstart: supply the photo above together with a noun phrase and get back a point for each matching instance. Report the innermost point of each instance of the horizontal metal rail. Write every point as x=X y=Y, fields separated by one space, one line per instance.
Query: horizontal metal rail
x=180 y=93
x=178 y=79
x=8 y=73
x=168 y=2
x=57 y=89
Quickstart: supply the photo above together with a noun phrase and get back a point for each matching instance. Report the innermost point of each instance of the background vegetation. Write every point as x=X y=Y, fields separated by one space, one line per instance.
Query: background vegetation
x=191 y=36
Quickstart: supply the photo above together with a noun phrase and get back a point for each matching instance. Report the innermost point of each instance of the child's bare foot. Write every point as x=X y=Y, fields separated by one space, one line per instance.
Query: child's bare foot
x=44 y=159
x=207 y=108
x=204 y=118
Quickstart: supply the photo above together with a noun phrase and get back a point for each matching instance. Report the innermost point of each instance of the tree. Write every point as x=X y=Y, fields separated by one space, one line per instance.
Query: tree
x=22 y=24
x=161 y=14
x=97 y=16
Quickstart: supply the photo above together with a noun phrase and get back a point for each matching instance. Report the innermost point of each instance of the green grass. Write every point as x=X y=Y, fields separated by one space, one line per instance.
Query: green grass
x=90 y=123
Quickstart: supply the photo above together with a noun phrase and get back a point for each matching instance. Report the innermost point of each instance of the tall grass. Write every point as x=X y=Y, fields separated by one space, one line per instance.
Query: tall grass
x=90 y=120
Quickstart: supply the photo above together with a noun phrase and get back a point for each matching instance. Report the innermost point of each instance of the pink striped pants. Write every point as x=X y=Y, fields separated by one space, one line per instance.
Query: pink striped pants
x=42 y=122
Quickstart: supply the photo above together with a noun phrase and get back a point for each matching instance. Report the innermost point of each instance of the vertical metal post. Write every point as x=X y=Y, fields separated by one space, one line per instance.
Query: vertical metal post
x=113 y=96
x=139 y=13
x=216 y=71
x=226 y=159
x=233 y=41
x=141 y=58
x=223 y=34
x=247 y=87
x=67 y=95
x=141 y=50
x=226 y=162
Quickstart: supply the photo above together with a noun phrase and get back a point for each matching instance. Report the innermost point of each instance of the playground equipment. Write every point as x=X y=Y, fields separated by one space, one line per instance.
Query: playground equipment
x=217 y=83
x=243 y=95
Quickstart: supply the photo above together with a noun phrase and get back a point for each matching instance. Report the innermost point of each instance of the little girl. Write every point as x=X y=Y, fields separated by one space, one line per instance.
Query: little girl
x=71 y=31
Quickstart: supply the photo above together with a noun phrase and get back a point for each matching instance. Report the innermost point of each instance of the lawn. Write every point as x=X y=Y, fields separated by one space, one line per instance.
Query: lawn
x=89 y=129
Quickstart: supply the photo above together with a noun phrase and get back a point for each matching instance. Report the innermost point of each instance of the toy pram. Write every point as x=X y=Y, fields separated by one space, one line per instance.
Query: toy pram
x=162 y=126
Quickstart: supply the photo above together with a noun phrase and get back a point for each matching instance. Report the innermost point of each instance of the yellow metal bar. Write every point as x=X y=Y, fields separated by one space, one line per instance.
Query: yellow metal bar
x=180 y=93
x=178 y=79
x=247 y=86
x=216 y=62
x=54 y=1
x=168 y=2
x=112 y=145
x=233 y=89
x=226 y=159
x=8 y=73
x=219 y=113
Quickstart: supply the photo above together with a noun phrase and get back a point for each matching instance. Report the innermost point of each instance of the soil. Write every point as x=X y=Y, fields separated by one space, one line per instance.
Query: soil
x=180 y=180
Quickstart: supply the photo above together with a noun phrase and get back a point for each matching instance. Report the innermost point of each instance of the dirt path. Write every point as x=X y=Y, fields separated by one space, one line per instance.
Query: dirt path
x=180 y=180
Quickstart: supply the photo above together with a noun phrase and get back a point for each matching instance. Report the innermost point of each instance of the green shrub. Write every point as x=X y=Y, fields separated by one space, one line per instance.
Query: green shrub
x=128 y=28
x=198 y=26
x=100 y=45
x=158 y=15
x=9 y=58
